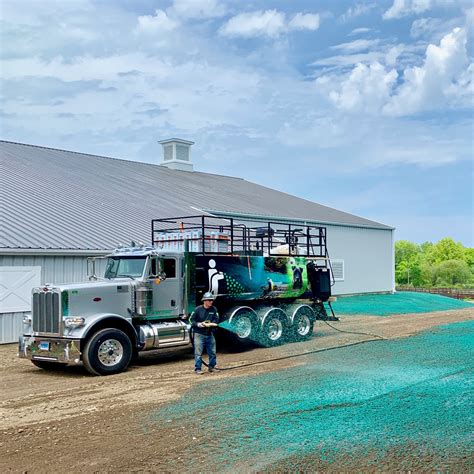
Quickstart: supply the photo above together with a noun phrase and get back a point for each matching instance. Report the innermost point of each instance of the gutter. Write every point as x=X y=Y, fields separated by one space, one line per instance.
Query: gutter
x=258 y=217
x=54 y=252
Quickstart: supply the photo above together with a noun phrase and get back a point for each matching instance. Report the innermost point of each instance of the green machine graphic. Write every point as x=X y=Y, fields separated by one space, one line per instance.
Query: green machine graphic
x=252 y=277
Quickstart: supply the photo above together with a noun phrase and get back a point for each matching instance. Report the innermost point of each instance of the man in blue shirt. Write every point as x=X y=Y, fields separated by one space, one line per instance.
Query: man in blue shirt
x=204 y=321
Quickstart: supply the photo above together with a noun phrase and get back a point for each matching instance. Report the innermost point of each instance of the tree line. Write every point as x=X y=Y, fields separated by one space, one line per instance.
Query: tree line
x=445 y=263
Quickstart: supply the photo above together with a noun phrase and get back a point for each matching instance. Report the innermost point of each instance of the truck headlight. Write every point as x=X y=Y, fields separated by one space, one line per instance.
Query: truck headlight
x=27 y=320
x=73 y=322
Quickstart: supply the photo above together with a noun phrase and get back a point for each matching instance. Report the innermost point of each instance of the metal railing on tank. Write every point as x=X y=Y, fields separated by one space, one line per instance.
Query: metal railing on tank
x=205 y=234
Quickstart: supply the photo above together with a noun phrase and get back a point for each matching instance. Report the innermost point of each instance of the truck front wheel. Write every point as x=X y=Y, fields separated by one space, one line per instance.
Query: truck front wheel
x=107 y=352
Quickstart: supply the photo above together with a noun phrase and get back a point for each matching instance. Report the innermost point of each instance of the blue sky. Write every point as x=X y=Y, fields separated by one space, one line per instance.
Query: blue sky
x=363 y=106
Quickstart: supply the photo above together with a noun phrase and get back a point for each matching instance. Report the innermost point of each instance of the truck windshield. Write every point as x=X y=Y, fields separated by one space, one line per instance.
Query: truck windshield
x=121 y=267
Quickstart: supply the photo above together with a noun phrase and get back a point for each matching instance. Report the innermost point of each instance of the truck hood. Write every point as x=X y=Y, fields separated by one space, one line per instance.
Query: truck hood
x=95 y=284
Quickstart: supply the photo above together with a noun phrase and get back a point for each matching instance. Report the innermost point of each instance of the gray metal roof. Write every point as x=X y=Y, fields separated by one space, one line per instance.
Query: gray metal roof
x=56 y=199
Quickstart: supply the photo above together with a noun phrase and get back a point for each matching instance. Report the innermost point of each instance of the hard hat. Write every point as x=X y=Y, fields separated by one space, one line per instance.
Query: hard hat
x=208 y=296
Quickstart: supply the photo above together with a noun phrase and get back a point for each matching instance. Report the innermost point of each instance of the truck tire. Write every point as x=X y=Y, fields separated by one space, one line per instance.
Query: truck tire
x=47 y=365
x=303 y=324
x=107 y=352
x=244 y=326
x=274 y=329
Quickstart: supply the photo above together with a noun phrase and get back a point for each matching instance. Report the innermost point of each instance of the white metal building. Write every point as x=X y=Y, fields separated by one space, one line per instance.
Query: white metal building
x=59 y=207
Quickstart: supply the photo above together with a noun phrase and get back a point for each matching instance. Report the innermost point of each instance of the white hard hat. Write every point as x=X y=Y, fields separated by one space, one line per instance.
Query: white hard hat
x=208 y=296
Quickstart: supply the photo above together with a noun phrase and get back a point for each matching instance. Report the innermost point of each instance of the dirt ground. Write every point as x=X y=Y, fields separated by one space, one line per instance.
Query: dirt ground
x=70 y=420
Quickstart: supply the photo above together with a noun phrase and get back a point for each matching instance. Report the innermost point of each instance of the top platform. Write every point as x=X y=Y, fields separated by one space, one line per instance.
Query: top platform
x=209 y=235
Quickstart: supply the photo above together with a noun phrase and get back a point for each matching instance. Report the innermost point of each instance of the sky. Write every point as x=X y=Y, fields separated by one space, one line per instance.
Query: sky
x=364 y=106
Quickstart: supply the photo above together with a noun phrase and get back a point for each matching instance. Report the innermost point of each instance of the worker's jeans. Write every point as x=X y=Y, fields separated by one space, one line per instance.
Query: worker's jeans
x=202 y=342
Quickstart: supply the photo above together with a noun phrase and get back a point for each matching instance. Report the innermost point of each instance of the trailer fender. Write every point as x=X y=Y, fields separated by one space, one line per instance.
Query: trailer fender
x=293 y=310
x=265 y=311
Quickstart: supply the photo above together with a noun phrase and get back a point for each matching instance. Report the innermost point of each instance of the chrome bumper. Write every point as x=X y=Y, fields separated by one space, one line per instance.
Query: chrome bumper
x=49 y=349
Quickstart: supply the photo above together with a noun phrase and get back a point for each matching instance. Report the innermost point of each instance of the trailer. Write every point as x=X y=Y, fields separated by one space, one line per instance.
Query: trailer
x=270 y=282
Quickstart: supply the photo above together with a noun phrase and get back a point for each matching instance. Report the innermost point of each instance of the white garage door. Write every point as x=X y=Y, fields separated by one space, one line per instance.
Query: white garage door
x=16 y=284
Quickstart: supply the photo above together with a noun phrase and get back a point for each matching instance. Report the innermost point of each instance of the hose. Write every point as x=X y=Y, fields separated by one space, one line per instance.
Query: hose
x=295 y=355
x=352 y=332
x=375 y=336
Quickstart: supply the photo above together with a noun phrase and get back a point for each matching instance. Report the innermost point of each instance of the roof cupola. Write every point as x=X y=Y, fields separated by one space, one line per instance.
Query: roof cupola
x=177 y=154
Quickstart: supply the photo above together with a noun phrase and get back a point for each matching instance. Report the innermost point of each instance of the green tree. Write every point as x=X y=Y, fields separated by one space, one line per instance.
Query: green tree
x=425 y=247
x=427 y=274
x=409 y=272
x=469 y=257
x=445 y=249
x=402 y=273
x=405 y=251
x=416 y=274
x=445 y=263
x=452 y=272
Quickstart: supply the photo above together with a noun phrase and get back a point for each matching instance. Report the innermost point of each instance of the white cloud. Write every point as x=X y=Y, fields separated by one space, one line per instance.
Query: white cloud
x=160 y=22
x=271 y=23
x=433 y=29
x=436 y=82
x=402 y=8
x=373 y=85
x=469 y=14
x=304 y=21
x=261 y=23
x=358 y=10
x=356 y=45
x=358 y=31
x=144 y=94
x=198 y=8
x=366 y=89
x=393 y=53
x=425 y=27
x=346 y=60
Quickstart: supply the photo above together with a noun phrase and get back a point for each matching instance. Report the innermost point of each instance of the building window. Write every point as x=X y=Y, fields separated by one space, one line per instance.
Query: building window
x=182 y=152
x=168 y=153
x=338 y=269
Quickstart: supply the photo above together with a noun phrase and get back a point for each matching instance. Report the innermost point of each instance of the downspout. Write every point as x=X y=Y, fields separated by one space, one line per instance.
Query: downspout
x=393 y=260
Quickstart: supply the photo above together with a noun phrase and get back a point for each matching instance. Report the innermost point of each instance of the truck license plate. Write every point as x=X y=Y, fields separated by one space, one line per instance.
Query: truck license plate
x=44 y=346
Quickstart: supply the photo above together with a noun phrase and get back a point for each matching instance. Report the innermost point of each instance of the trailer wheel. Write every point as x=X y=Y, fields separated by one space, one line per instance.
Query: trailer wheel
x=243 y=325
x=107 y=352
x=47 y=365
x=303 y=324
x=274 y=328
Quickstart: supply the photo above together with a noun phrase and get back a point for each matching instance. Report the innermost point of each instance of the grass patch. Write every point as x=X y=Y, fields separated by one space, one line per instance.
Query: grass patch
x=398 y=303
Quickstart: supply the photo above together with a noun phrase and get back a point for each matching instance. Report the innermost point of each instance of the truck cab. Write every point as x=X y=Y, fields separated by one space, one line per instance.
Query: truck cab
x=157 y=276
x=103 y=323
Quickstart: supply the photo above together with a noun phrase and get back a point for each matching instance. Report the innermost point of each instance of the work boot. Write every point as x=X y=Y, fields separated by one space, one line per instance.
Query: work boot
x=214 y=369
x=198 y=372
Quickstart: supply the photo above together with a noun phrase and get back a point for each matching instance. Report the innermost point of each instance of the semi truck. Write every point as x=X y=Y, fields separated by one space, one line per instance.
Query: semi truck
x=270 y=281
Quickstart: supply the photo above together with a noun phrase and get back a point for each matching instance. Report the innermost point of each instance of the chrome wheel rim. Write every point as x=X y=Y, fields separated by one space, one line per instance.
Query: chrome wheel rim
x=303 y=325
x=275 y=329
x=110 y=352
x=243 y=327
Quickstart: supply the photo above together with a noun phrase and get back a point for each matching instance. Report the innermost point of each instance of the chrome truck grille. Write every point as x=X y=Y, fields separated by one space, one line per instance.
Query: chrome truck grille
x=45 y=312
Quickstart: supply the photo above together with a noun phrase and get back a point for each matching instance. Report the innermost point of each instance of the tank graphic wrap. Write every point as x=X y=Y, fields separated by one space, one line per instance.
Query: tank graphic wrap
x=253 y=277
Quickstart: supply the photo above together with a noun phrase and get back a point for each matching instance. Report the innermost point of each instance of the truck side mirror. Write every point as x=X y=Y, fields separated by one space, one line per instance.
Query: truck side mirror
x=162 y=276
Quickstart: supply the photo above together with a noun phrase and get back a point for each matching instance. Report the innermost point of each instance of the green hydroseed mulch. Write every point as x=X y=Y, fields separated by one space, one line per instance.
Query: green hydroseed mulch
x=410 y=398
x=398 y=303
